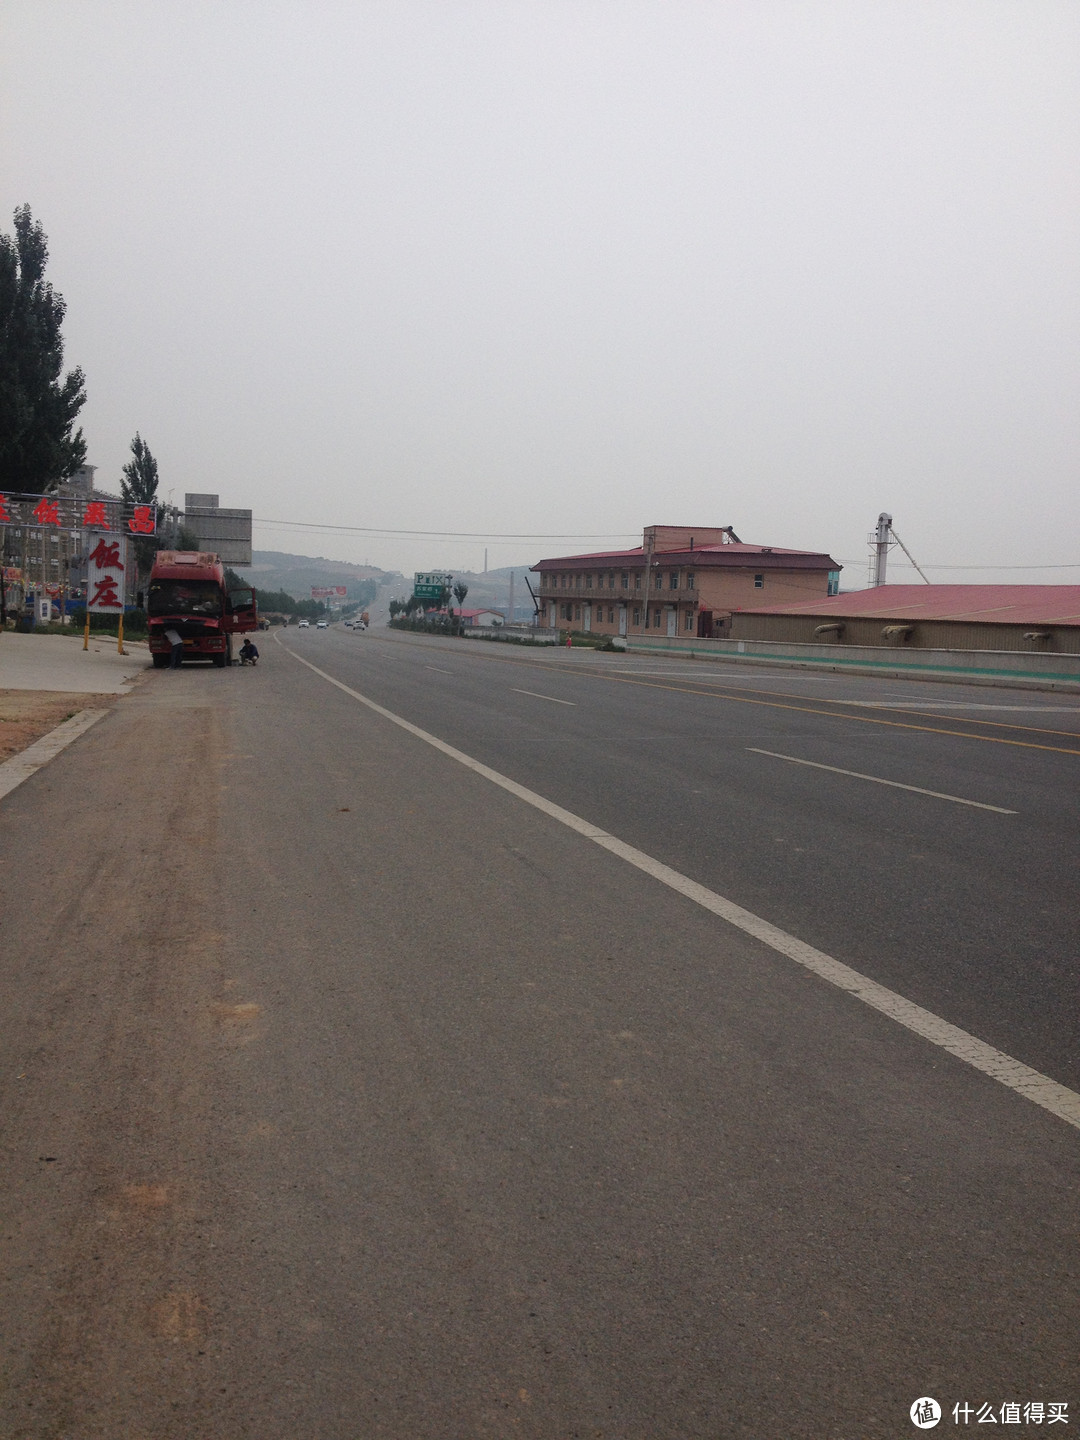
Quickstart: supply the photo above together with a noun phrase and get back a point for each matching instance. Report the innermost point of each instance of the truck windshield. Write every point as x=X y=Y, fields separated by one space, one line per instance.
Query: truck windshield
x=184 y=597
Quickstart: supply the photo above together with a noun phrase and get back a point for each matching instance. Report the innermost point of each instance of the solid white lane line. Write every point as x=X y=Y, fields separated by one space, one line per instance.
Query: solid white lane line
x=1058 y=1099
x=20 y=767
x=537 y=696
x=437 y=670
x=963 y=705
x=858 y=775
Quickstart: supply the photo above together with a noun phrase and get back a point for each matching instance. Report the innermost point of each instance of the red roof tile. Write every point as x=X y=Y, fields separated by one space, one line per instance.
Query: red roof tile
x=768 y=556
x=1002 y=604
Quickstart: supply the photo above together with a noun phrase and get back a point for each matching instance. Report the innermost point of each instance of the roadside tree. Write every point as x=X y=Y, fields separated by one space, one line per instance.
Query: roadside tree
x=139 y=487
x=38 y=445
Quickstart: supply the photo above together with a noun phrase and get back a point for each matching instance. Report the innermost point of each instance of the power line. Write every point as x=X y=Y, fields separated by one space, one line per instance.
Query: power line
x=382 y=530
x=902 y=566
x=493 y=536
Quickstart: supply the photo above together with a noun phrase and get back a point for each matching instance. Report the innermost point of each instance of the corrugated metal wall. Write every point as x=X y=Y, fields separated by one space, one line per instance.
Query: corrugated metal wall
x=926 y=635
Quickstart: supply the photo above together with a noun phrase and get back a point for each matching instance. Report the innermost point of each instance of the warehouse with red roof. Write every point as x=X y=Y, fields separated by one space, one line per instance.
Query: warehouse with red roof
x=941 y=617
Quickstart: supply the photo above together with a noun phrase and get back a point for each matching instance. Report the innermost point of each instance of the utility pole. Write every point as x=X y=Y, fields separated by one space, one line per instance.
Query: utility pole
x=651 y=533
x=880 y=541
x=881 y=547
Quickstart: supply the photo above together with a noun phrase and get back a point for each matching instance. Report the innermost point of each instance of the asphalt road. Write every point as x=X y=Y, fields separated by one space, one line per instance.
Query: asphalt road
x=346 y=1094
x=966 y=911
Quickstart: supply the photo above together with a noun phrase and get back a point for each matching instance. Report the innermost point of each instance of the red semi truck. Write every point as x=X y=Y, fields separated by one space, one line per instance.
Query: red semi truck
x=188 y=594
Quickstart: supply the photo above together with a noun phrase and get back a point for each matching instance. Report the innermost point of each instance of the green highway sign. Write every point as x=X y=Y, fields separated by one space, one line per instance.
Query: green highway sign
x=431 y=584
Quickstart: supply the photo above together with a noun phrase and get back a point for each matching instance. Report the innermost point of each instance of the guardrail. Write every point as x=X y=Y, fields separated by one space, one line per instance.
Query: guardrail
x=973 y=667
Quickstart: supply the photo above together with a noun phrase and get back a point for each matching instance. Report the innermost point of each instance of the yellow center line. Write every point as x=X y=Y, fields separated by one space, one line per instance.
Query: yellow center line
x=771 y=704
x=903 y=709
x=900 y=709
x=832 y=715
x=997 y=724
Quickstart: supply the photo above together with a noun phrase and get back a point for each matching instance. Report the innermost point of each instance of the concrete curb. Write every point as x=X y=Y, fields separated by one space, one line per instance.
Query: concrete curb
x=20 y=767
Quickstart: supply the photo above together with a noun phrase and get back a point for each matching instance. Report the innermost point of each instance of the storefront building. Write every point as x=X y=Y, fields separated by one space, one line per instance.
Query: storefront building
x=681 y=580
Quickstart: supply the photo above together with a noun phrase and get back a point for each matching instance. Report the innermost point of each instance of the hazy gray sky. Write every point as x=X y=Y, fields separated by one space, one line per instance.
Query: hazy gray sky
x=571 y=267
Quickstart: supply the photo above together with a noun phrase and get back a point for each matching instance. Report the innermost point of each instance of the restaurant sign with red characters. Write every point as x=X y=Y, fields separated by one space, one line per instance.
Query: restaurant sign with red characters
x=77 y=512
x=106 y=566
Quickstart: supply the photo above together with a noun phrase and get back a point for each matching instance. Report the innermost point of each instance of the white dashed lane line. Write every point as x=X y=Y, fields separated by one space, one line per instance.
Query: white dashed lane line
x=536 y=696
x=896 y=784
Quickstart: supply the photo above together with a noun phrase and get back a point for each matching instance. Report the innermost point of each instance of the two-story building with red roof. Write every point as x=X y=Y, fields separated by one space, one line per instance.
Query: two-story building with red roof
x=681 y=580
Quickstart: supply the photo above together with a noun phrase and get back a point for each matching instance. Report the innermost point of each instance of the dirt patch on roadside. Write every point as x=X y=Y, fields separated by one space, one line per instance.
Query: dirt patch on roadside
x=26 y=715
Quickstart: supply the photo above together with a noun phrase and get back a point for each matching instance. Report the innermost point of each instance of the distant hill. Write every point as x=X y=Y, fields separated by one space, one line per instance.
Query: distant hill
x=489 y=591
x=296 y=574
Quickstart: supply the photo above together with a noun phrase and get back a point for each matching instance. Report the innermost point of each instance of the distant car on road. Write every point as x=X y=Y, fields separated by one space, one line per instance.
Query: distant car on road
x=303 y=625
x=320 y=625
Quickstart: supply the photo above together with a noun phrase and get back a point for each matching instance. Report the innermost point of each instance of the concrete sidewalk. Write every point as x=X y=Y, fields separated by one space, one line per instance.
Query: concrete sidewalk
x=59 y=662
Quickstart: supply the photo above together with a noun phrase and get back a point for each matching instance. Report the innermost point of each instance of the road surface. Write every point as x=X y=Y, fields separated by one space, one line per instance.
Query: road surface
x=367 y=1080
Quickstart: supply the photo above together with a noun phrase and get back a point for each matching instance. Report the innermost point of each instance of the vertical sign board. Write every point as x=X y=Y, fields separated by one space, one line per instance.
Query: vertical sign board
x=106 y=567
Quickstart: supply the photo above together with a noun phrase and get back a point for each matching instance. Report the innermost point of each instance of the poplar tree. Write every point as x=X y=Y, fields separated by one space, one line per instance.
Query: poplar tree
x=139 y=487
x=38 y=403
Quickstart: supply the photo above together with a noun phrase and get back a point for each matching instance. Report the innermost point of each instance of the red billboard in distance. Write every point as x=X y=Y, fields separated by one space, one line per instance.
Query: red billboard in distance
x=329 y=592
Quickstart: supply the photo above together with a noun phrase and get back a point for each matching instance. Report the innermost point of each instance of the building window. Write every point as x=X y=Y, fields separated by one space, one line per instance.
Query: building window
x=689 y=579
x=577 y=612
x=588 y=582
x=834 y=582
x=577 y=581
x=657 y=619
x=626 y=580
x=637 y=579
x=611 y=614
x=759 y=582
x=673 y=580
x=659 y=579
x=688 y=623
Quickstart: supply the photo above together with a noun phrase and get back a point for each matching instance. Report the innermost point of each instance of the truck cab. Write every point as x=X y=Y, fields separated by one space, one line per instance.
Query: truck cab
x=188 y=595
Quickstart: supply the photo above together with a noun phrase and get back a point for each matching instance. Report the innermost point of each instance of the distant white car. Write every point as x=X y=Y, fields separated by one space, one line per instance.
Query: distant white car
x=320 y=625
x=303 y=625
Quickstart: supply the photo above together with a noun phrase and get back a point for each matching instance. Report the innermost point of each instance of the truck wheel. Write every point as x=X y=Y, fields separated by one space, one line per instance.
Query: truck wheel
x=219 y=661
x=160 y=661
